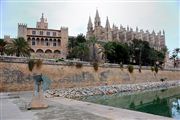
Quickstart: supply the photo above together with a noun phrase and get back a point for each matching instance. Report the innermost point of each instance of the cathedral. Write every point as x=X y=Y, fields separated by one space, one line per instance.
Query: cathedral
x=122 y=34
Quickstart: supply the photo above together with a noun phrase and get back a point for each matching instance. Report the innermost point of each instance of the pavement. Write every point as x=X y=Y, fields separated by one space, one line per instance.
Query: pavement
x=13 y=107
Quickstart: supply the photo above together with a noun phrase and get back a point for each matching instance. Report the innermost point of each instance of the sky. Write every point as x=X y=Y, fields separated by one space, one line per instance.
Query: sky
x=146 y=14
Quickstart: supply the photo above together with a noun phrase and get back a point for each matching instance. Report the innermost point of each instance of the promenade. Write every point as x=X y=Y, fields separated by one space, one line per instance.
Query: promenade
x=13 y=107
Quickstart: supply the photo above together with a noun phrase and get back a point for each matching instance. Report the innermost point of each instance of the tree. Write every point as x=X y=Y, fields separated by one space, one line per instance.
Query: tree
x=2 y=46
x=92 y=41
x=117 y=52
x=174 y=56
x=106 y=49
x=81 y=51
x=18 y=47
x=73 y=42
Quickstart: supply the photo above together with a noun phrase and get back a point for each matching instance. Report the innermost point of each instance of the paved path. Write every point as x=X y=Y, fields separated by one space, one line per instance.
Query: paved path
x=13 y=108
x=10 y=111
x=107 y=111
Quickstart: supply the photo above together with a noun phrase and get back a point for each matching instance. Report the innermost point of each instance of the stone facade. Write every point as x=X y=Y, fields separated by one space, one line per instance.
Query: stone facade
x=122 y=34
x=44 y=42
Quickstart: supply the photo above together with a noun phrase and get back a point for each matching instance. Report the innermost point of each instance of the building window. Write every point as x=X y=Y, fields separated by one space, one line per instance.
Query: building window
x=54 y=44
x=48 y=33
x=54 y=33
x=47 y=44
x=33 y=32
x=41 y=32
x=33 y=42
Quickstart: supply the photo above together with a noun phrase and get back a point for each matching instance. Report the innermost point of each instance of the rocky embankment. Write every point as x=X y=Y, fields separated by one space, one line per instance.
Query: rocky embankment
x=105 y=90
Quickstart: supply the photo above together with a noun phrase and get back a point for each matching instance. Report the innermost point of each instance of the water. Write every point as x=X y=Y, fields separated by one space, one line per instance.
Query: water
x=160 y=102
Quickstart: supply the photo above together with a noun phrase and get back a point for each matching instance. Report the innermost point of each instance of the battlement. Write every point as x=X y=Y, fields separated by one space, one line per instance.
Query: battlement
x=22 y=25
x=64 y=28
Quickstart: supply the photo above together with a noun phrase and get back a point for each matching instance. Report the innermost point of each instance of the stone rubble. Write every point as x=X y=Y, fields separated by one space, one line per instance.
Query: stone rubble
x=111 y=89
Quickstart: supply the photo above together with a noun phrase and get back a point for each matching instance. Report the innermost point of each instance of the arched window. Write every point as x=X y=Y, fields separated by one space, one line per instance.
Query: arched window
x=39 y=51
x=54 y=42
x=31 y=51
x=50 y=42
x=59 y=42
x=37 y=41
x=57 y=52
x=48 y=51
x=46 y=42
x=42 y=41
x=33 y=41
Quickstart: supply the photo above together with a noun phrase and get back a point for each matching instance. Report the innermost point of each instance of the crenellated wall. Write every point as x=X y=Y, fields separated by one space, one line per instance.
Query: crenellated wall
x=16 y=76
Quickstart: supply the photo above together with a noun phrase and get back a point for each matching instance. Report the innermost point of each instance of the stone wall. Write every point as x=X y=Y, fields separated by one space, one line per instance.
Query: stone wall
x=16 y=76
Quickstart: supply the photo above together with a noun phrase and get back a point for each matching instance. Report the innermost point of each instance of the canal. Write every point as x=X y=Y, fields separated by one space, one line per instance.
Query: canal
x=164 y=102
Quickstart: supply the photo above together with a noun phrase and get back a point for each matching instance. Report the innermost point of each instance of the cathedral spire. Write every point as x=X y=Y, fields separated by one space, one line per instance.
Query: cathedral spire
x=163 y=32
x=97 y=14
x=136 y=29
x=97 y=21
x=107 y=23
x=90 y=25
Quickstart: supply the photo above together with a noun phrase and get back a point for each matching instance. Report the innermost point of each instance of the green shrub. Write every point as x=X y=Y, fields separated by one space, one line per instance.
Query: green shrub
x=95 y=65
x=38 y=63
x=156 y=69
x=31 y=64
x=79 y=65
x=130 y=68
x=152 y=68
x=121 y=66
x=60 y=59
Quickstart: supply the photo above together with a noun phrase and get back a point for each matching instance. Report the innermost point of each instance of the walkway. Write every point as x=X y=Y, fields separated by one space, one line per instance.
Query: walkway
x=13 y=108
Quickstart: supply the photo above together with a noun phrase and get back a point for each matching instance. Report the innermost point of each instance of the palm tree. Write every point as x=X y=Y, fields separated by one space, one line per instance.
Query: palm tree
x=81 y=50
x=18 y=47
x=92 y=41
x=174 y=56
x=107 y=48
x=2 y=46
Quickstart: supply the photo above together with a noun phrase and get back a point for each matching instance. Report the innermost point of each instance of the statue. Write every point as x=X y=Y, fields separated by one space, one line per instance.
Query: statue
x=42 y=83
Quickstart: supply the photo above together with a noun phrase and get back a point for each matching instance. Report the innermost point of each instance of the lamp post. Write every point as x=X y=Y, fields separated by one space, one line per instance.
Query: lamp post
x=140 y=54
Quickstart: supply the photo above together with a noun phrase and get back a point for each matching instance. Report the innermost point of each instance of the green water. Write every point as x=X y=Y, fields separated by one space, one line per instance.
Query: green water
x=160 y=102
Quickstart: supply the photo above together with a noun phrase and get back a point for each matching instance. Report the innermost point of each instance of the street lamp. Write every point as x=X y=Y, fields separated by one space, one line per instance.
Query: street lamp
x=140 y=54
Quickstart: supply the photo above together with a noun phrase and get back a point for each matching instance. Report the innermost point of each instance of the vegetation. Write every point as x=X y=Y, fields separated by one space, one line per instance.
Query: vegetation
x=79 y=65
x=152 y=68
x=174 y=56
x=130 y=68
x=156 y=69
x=2 y=46
x=137 y=53
x=117 y=52
x=78 y=48
x=18 y=47
x=95 y=65
x=32 y=63
x=121 y=66
x=92 y=42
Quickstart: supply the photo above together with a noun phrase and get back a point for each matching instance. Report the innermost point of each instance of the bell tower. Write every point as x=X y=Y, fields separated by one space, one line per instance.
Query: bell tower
x=43 y=23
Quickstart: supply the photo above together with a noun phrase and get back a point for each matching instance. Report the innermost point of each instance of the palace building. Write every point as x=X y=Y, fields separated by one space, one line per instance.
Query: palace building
x=45 y=42
x=122 y=34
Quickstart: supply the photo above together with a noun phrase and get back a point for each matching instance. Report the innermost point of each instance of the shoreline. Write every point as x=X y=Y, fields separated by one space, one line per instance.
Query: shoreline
x=111 y=89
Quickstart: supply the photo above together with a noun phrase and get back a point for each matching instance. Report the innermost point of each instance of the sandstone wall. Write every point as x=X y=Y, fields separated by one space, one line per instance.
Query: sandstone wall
x=16 y=76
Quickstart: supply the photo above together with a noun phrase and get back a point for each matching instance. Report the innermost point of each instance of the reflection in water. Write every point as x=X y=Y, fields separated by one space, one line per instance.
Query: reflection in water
x=161 y=102
x=176 y=109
